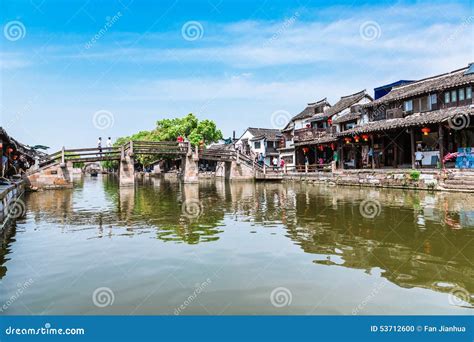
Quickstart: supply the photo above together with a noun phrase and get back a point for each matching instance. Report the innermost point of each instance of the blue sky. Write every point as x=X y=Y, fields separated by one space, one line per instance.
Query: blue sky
x=76 y=70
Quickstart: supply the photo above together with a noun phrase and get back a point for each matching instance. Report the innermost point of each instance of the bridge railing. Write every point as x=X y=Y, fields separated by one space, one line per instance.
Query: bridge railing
x=158 y=147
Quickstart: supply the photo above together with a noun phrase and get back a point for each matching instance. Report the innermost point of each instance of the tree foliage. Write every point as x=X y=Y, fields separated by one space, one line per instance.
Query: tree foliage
x=189 y=127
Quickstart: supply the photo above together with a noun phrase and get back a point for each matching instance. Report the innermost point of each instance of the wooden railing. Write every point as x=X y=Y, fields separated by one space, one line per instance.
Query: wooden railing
x=308 y=168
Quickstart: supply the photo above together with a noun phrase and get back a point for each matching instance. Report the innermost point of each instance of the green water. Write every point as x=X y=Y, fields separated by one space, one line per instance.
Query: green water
x=238 y=248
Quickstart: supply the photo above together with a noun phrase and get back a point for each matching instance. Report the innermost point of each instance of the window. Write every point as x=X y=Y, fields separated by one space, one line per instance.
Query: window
x=453 y=96
x=461 y=94
x=446 y=97
x=257 y=144
x=408 y=105
x=433 y=99
x=469 y=93
x=270 y=144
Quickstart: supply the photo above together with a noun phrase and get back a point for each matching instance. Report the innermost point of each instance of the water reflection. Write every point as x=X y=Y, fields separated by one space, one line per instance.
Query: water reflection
x=416 y=239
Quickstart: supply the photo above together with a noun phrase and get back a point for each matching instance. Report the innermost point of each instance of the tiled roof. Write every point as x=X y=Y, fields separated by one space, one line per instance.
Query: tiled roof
x=310 y=109
x=343 y=103
x=264 y=133
x=427 y=85
x=455 y=115
x=347 y=117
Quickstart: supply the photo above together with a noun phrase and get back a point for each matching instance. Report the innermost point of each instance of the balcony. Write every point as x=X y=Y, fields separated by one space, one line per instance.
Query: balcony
x=311 y=133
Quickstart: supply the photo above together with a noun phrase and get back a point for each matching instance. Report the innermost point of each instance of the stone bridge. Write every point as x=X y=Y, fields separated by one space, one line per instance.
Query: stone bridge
x=55 y=170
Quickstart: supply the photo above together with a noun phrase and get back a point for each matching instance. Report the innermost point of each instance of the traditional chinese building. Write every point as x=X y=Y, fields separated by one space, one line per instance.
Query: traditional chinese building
x=432 y=115
x=316 y=143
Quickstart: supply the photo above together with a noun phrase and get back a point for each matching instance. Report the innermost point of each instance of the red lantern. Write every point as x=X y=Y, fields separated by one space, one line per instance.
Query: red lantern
x=425 y=130
x=329 y=121
x=365 y=137
x=356 y=138
x=180 y=139
x=333 y=146
x=305 y=150
x=348 y=140
x=321 y=147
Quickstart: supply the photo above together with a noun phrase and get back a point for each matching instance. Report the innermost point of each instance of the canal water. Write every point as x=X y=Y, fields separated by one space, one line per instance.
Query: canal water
x=238 y=248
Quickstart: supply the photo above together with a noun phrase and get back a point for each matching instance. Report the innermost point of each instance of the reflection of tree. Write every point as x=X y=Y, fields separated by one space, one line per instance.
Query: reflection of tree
x=324 y=221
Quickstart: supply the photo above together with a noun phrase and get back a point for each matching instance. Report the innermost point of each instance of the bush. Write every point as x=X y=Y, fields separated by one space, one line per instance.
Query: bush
x=415 y=175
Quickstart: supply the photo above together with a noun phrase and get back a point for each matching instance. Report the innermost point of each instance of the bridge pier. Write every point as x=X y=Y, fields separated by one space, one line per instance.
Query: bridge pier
x=235 y=171
x=190 y=168
x=127 y=171
x=55 y=176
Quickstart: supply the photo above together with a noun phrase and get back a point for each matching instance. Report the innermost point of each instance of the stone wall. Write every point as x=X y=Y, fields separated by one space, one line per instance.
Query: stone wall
x=11 y=205
x=405 y=179
x=52 y=177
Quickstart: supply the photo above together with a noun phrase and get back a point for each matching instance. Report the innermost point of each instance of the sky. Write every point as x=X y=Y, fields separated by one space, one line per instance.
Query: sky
x=72 y=71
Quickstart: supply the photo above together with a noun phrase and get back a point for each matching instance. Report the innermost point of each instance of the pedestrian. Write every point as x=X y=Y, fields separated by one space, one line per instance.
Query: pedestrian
x=418 y=158
x=275 y=164
x=261 y=159
x=282 y=164
x=109 y=142
x=99 y=145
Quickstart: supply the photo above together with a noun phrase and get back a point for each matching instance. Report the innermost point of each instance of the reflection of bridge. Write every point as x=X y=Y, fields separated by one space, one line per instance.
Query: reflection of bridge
x=55 y=170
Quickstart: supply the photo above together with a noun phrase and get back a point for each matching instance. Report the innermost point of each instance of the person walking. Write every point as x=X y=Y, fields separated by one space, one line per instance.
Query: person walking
x=275 y=164
x=99 y=145
x=418 y=158
x=109 y=142
x=282 y=164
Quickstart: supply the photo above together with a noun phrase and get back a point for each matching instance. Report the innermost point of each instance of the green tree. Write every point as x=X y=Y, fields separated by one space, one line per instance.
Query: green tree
x=188 y=127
